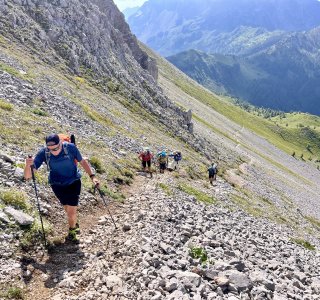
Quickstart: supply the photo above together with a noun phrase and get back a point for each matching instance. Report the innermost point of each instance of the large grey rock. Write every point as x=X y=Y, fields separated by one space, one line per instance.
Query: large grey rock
x=19 y=173
x=239 y=280
x=20 y=217
x=193 y=278
x=6 y=158
x=211 y=273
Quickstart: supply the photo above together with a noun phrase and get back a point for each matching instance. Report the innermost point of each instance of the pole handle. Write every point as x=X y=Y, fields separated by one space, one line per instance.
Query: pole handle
x=32 y=169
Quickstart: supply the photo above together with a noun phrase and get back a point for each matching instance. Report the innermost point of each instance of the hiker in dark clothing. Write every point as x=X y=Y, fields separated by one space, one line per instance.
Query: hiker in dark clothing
x=64 y=176
x=177 y=157
x=173 y=160
x=213 y=170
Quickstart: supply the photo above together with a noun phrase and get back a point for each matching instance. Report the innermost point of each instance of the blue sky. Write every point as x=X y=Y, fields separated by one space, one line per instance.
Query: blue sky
x=122 y=4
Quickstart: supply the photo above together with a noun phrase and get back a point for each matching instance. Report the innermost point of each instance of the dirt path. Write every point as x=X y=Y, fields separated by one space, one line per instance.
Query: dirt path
x=44 y=268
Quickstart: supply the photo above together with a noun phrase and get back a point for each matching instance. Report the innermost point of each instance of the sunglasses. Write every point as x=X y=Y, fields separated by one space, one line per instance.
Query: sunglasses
x=55 y=149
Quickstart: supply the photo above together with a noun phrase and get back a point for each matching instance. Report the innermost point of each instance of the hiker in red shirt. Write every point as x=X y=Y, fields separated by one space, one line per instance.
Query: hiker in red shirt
x=146 y=156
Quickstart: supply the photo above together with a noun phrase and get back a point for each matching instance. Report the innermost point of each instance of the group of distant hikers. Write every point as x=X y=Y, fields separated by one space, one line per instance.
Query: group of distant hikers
x=62 y=157
x=169 y=162
x=163 y=160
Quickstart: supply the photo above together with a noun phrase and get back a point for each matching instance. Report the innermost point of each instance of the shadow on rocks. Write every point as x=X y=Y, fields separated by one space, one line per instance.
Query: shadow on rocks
x=52 y=266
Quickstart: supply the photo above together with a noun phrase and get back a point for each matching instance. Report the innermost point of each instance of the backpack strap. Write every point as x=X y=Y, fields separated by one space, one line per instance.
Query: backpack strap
x=65 y=149
x=47 y=155
x=66 y=152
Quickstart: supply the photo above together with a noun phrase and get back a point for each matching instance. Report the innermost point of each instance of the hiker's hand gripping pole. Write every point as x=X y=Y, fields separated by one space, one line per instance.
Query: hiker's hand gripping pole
x=96 y=187
x=38 y=202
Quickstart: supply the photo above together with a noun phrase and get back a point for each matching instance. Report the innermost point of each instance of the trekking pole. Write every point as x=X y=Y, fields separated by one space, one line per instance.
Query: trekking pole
x=38 y=202
x=105 y=203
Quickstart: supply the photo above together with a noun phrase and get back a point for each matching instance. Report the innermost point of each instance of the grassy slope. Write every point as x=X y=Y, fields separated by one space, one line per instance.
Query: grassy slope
x=298 y=120
x=290 y=139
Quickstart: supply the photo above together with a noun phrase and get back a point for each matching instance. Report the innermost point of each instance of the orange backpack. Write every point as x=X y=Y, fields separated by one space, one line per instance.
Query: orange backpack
x=67 y=138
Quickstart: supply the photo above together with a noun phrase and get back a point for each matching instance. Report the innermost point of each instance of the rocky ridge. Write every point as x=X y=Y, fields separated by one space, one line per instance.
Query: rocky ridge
x=93 y=40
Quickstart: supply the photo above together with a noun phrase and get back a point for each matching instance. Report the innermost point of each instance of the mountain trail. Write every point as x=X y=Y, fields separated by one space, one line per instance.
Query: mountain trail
x=43 y=271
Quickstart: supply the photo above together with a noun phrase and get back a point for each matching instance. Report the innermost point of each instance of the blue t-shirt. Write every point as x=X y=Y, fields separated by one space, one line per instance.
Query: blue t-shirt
x=63 y=168
x=177 y=156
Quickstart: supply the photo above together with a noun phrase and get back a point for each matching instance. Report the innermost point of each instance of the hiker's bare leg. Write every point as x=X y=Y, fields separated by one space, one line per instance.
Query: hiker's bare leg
x=71 y=214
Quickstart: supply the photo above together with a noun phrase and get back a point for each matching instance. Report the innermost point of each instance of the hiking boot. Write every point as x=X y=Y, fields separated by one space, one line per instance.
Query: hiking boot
x=72 y=236
x=77 y=228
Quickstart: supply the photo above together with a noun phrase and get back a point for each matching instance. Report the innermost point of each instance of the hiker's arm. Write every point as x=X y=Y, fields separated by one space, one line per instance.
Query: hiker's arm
x=36 y=162
x=86 y=167
x=88 y=170
x=27 y=168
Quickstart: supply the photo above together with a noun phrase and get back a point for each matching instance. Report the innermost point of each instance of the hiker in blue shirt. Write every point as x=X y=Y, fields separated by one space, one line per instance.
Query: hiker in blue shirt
x=64 y=176
x=177 y=157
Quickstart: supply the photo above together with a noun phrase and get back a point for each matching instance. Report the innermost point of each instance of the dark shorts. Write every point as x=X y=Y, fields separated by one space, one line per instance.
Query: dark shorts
x=162 y=166
x=145 y=163
x=69 y=194
x=211 y=176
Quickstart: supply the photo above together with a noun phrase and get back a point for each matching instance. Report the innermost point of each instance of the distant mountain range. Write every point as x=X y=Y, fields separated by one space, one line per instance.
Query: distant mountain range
x=170 y=26
x=284 y=76
x=262 y=51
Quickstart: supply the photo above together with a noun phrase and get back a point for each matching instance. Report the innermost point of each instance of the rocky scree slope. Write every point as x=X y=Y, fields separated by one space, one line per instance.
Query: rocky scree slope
x=173 y=247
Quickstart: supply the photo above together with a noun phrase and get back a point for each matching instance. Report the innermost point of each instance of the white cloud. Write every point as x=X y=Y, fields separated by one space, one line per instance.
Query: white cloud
x=123 y=4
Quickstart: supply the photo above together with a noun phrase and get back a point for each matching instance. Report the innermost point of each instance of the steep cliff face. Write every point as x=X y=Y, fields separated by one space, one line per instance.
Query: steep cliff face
x=93 y=40
x=88 y=34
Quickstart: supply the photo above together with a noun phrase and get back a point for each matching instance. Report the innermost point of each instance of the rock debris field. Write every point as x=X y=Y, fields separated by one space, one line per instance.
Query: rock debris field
x=173 y=247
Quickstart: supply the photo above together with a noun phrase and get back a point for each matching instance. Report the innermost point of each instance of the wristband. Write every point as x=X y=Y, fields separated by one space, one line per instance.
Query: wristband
x=92 y=175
